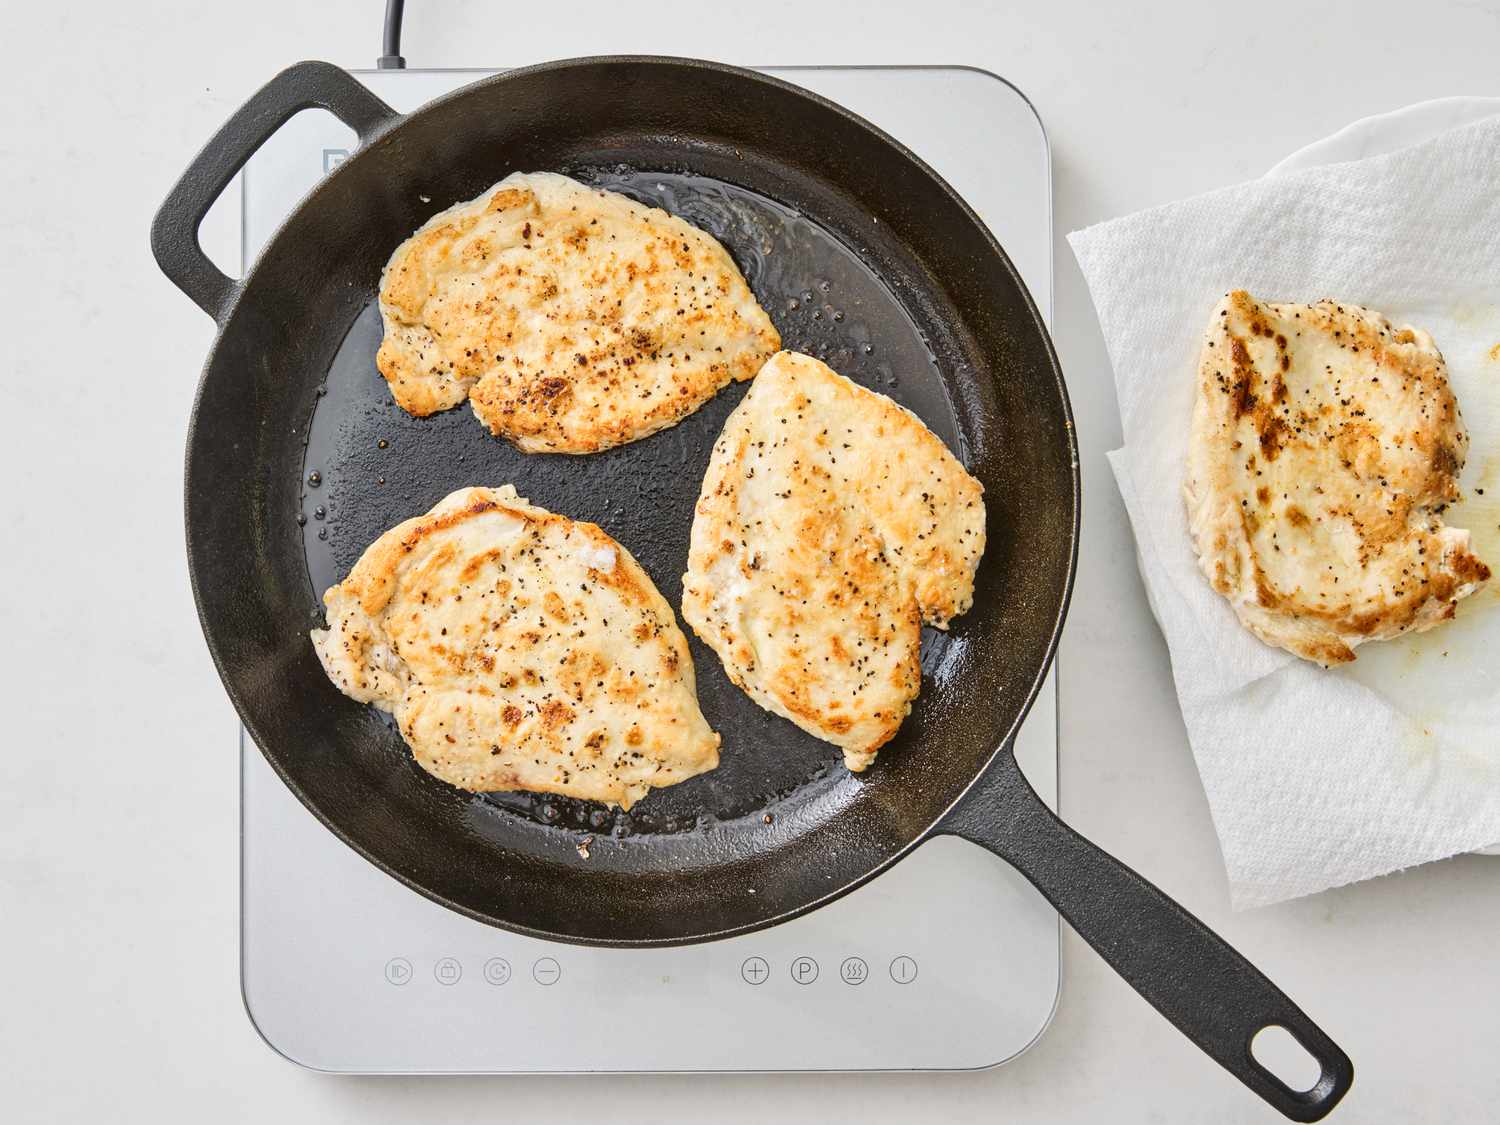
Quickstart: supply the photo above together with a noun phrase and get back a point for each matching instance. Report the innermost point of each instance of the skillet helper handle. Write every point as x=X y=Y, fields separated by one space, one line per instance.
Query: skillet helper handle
x=174 y=231
x=1187 y=972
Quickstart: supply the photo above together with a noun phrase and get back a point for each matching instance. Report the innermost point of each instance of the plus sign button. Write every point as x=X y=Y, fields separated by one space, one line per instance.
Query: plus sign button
x=755 y=970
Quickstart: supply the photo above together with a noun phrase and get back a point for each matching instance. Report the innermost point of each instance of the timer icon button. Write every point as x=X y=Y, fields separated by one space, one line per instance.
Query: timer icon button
x=497 y=970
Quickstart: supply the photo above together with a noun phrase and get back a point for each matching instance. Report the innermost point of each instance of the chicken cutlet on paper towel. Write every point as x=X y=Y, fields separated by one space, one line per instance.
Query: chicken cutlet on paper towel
x=1325 y=444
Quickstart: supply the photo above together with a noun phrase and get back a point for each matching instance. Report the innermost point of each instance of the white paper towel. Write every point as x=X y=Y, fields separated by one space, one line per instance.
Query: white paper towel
x=1318 y=778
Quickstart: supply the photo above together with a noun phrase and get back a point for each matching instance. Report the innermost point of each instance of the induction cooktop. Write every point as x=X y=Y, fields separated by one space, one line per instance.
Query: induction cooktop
x=948 y=961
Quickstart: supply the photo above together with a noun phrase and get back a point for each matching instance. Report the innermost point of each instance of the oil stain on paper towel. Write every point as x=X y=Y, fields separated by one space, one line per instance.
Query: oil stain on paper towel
x=1446 y=681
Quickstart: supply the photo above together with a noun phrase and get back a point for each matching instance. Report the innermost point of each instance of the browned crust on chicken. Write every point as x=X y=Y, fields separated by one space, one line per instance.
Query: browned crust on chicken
x=519 y=649
x=572 y=319
x=830 y=525
x=1326 y=444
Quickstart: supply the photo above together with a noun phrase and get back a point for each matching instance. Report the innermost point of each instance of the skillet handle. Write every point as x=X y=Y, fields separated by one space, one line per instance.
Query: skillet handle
x=1188 y=973
x=174 y=231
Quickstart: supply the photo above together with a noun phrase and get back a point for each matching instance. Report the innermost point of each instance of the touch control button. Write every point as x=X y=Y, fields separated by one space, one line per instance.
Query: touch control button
x=903 y=970
x=398 y=971
x=755 y=970
x=447 y=970
x=804 y=970
x=854 y=970
x=546 y=971
x=497 y=970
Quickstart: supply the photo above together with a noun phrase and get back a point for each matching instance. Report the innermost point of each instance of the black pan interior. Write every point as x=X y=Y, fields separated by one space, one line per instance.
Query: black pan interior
x=370 y=465
x=298 y=459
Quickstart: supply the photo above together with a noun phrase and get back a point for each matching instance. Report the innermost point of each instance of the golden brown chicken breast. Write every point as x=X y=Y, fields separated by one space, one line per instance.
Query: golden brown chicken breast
x=518 y=649
x=1325 y=444
x=572 y=319
x=831 y=524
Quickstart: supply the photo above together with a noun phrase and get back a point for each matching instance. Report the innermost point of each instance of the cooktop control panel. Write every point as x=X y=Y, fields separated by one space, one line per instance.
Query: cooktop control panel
x=947 y=961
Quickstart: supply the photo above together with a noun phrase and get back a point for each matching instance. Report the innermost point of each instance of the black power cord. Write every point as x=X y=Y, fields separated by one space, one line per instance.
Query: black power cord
x=390 y=42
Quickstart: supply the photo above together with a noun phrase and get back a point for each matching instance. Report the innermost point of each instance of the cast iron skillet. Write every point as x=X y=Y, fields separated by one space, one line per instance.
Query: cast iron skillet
x=861 y=254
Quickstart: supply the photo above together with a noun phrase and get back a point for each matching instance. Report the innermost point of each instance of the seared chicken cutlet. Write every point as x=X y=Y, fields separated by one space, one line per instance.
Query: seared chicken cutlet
x=572 y=319
x=1325 y=444
x=831 y=524
x=518 y=649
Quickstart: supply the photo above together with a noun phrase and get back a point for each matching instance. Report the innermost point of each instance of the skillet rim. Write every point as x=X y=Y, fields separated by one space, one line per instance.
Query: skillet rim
x=381 y=135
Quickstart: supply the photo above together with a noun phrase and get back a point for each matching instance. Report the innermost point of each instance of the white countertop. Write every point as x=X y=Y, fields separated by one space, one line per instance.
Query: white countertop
x=118 y=776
